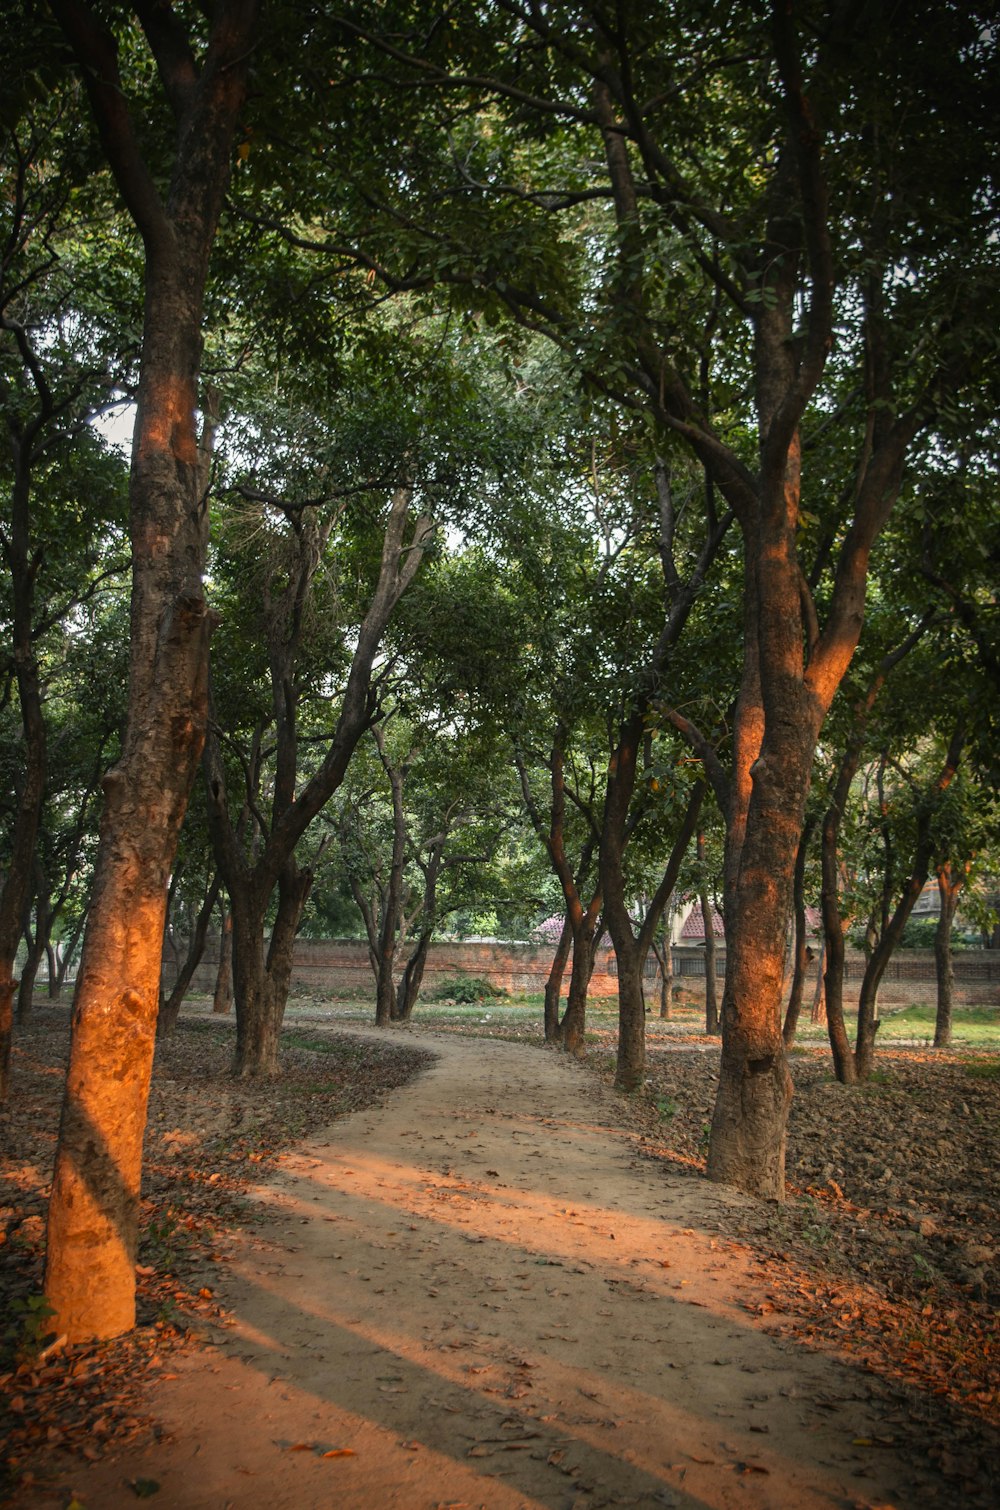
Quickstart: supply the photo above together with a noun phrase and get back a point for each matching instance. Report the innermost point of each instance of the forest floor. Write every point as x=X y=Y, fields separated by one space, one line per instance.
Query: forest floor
x=445 y=1267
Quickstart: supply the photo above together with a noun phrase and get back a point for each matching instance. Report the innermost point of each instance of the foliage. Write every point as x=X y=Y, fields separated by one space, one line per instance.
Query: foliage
x=466 y=988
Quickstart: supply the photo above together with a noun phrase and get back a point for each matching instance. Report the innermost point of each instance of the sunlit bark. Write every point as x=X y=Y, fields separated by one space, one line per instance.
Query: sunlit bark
x=92 y=1228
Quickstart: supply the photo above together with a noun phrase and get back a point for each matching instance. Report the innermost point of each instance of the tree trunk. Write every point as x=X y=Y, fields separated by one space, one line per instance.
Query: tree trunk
x=16 y=886
x=554 y=980
x=574 y=1019
x=817 y=1012
x=801 y=952
x=844 y=1067
x=261 y=979
x=29 y=974
x=712 y=1020
x=385 y=988
x=773 y=749
x=222 y=999
x=37 y=942
x=950 y=881
x=68 y=955
x=404 y=545
x=632 y=949
x=170 y=1006
x=630 y=1064
x=665 y=958
x=93 y=1212
x=413 y=974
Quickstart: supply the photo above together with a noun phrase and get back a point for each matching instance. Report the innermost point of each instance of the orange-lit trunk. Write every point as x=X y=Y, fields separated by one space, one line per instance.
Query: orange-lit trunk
x=747 y=1145
x=93 y=1212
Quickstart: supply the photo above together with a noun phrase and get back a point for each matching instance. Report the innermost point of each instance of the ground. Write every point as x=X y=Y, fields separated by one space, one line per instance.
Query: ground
x=492 y=1281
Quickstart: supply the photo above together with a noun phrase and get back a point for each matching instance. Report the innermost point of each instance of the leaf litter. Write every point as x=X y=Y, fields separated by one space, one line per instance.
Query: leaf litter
x=208 y=1138
x=886 y=1250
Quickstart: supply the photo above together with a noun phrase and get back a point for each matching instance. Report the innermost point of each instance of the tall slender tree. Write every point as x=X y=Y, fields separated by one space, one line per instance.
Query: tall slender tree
x=174 y=191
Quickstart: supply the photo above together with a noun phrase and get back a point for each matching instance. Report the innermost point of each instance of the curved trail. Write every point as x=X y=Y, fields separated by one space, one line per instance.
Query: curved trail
x=482 y=1294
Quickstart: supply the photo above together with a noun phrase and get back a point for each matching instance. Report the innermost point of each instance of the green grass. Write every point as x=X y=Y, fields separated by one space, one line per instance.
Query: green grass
x=969 y=1025
x=972 y=1027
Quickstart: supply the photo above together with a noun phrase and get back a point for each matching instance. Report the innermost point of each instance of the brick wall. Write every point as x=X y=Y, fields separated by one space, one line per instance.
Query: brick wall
x=340 y=968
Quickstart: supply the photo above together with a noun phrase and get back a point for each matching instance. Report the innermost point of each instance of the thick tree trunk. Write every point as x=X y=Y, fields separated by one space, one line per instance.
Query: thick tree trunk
x=222 y=999
x=18 y=877
x=772 y=768
x=630 y=1065
x=413 y=975
x=554 y=980
x=262 y=971
x=93 y=1212
x=950 y=881
x=574 y=1019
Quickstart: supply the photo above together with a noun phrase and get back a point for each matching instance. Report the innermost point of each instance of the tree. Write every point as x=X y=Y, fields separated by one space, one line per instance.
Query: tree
x=858 y=708
x=175 y=196
x=347 y=486
x=788 y=182
x=964 y=830
x=421 y=825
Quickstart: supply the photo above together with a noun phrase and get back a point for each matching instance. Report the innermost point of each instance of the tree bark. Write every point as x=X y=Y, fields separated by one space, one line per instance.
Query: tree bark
x=573 y=1026
x=392 y=892
x=582 y=919
x=93 y=1212
x=950 y=880
x=412 y=977
x=554 y=980
x=817 y=1012
x=36 y=939
x=222 y=999
x=37 y=942
x=631 y=947
x=15 y=890
x=665 y=956
x=713 y=1023
x=262 y=968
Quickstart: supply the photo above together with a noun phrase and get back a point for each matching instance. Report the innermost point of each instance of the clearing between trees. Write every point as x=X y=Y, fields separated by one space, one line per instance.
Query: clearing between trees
x=494 y=1282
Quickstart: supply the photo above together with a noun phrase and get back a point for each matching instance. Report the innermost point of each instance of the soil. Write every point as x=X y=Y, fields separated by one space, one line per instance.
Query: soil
x=491 y=1289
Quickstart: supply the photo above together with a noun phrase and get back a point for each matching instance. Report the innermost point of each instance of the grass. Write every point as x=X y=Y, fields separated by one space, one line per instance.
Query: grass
x=520 y=1016
x=971 y=1026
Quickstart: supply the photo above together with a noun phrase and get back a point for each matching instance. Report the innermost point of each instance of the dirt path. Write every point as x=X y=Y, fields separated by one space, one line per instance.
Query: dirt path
x=482 y=1294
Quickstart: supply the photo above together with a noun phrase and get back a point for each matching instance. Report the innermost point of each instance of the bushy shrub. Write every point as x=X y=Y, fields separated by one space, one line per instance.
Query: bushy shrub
x=466 y=988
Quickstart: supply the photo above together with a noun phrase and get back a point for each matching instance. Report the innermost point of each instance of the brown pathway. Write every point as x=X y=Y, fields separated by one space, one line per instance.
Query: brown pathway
x=482 y=1294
